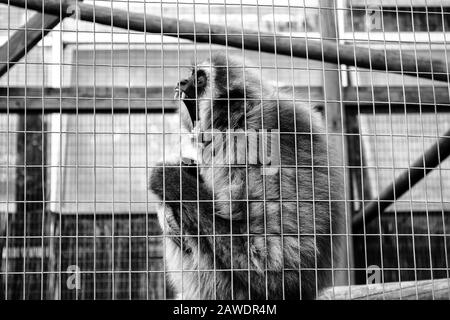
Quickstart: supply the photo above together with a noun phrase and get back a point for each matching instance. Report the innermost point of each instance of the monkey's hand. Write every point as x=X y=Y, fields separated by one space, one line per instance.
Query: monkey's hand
x=181 y=189
x=174 y=182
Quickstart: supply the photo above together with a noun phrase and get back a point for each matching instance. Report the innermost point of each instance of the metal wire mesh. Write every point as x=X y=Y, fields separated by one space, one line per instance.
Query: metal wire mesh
x=87 y=112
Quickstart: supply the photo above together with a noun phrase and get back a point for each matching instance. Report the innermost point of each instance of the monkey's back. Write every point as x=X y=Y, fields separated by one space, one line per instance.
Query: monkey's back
x=290 y=214
x=310 y=190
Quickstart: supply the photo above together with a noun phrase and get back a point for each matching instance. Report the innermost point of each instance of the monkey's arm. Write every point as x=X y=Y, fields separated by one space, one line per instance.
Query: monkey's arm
x=180 y=188
x=192 y=201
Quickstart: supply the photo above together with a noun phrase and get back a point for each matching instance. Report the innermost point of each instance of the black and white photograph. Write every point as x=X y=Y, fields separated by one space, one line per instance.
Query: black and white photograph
x=224 y=150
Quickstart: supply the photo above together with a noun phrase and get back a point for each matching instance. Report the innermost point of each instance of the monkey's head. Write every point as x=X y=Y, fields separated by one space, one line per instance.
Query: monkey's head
x=220 y=81
x=191 y=89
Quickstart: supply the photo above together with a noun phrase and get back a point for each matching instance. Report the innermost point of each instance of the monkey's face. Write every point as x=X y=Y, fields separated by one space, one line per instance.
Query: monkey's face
x=191 y=89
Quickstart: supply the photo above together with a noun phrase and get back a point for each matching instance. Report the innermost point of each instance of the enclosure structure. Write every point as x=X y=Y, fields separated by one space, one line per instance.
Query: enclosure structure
x=87 y=109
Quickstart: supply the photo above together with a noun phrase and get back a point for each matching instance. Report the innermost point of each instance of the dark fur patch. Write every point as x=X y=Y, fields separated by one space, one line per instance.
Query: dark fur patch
x=229 y=106
x=201 y=81
x=229 y=103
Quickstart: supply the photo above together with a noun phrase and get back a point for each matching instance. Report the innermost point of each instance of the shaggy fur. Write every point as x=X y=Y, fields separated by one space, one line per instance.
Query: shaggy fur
x=244 y=234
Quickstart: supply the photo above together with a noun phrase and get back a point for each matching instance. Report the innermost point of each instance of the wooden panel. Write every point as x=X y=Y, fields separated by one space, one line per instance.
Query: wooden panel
x=406 y=290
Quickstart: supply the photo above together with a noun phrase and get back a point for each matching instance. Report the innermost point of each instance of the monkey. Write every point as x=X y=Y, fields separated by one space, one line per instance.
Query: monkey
x=249 y=229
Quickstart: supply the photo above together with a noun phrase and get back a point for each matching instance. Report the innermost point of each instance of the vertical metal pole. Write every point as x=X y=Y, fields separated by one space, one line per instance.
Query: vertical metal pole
x=335 y=128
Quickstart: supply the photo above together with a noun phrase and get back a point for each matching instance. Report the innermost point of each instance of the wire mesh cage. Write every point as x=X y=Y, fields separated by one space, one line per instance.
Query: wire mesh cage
x=112 y=188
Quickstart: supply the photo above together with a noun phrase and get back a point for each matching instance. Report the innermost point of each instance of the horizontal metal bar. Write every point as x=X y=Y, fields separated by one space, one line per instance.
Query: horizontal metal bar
x=322 y=50
x=138 y=100
x=410 y=177
x=394 y=99
x=87 y=100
